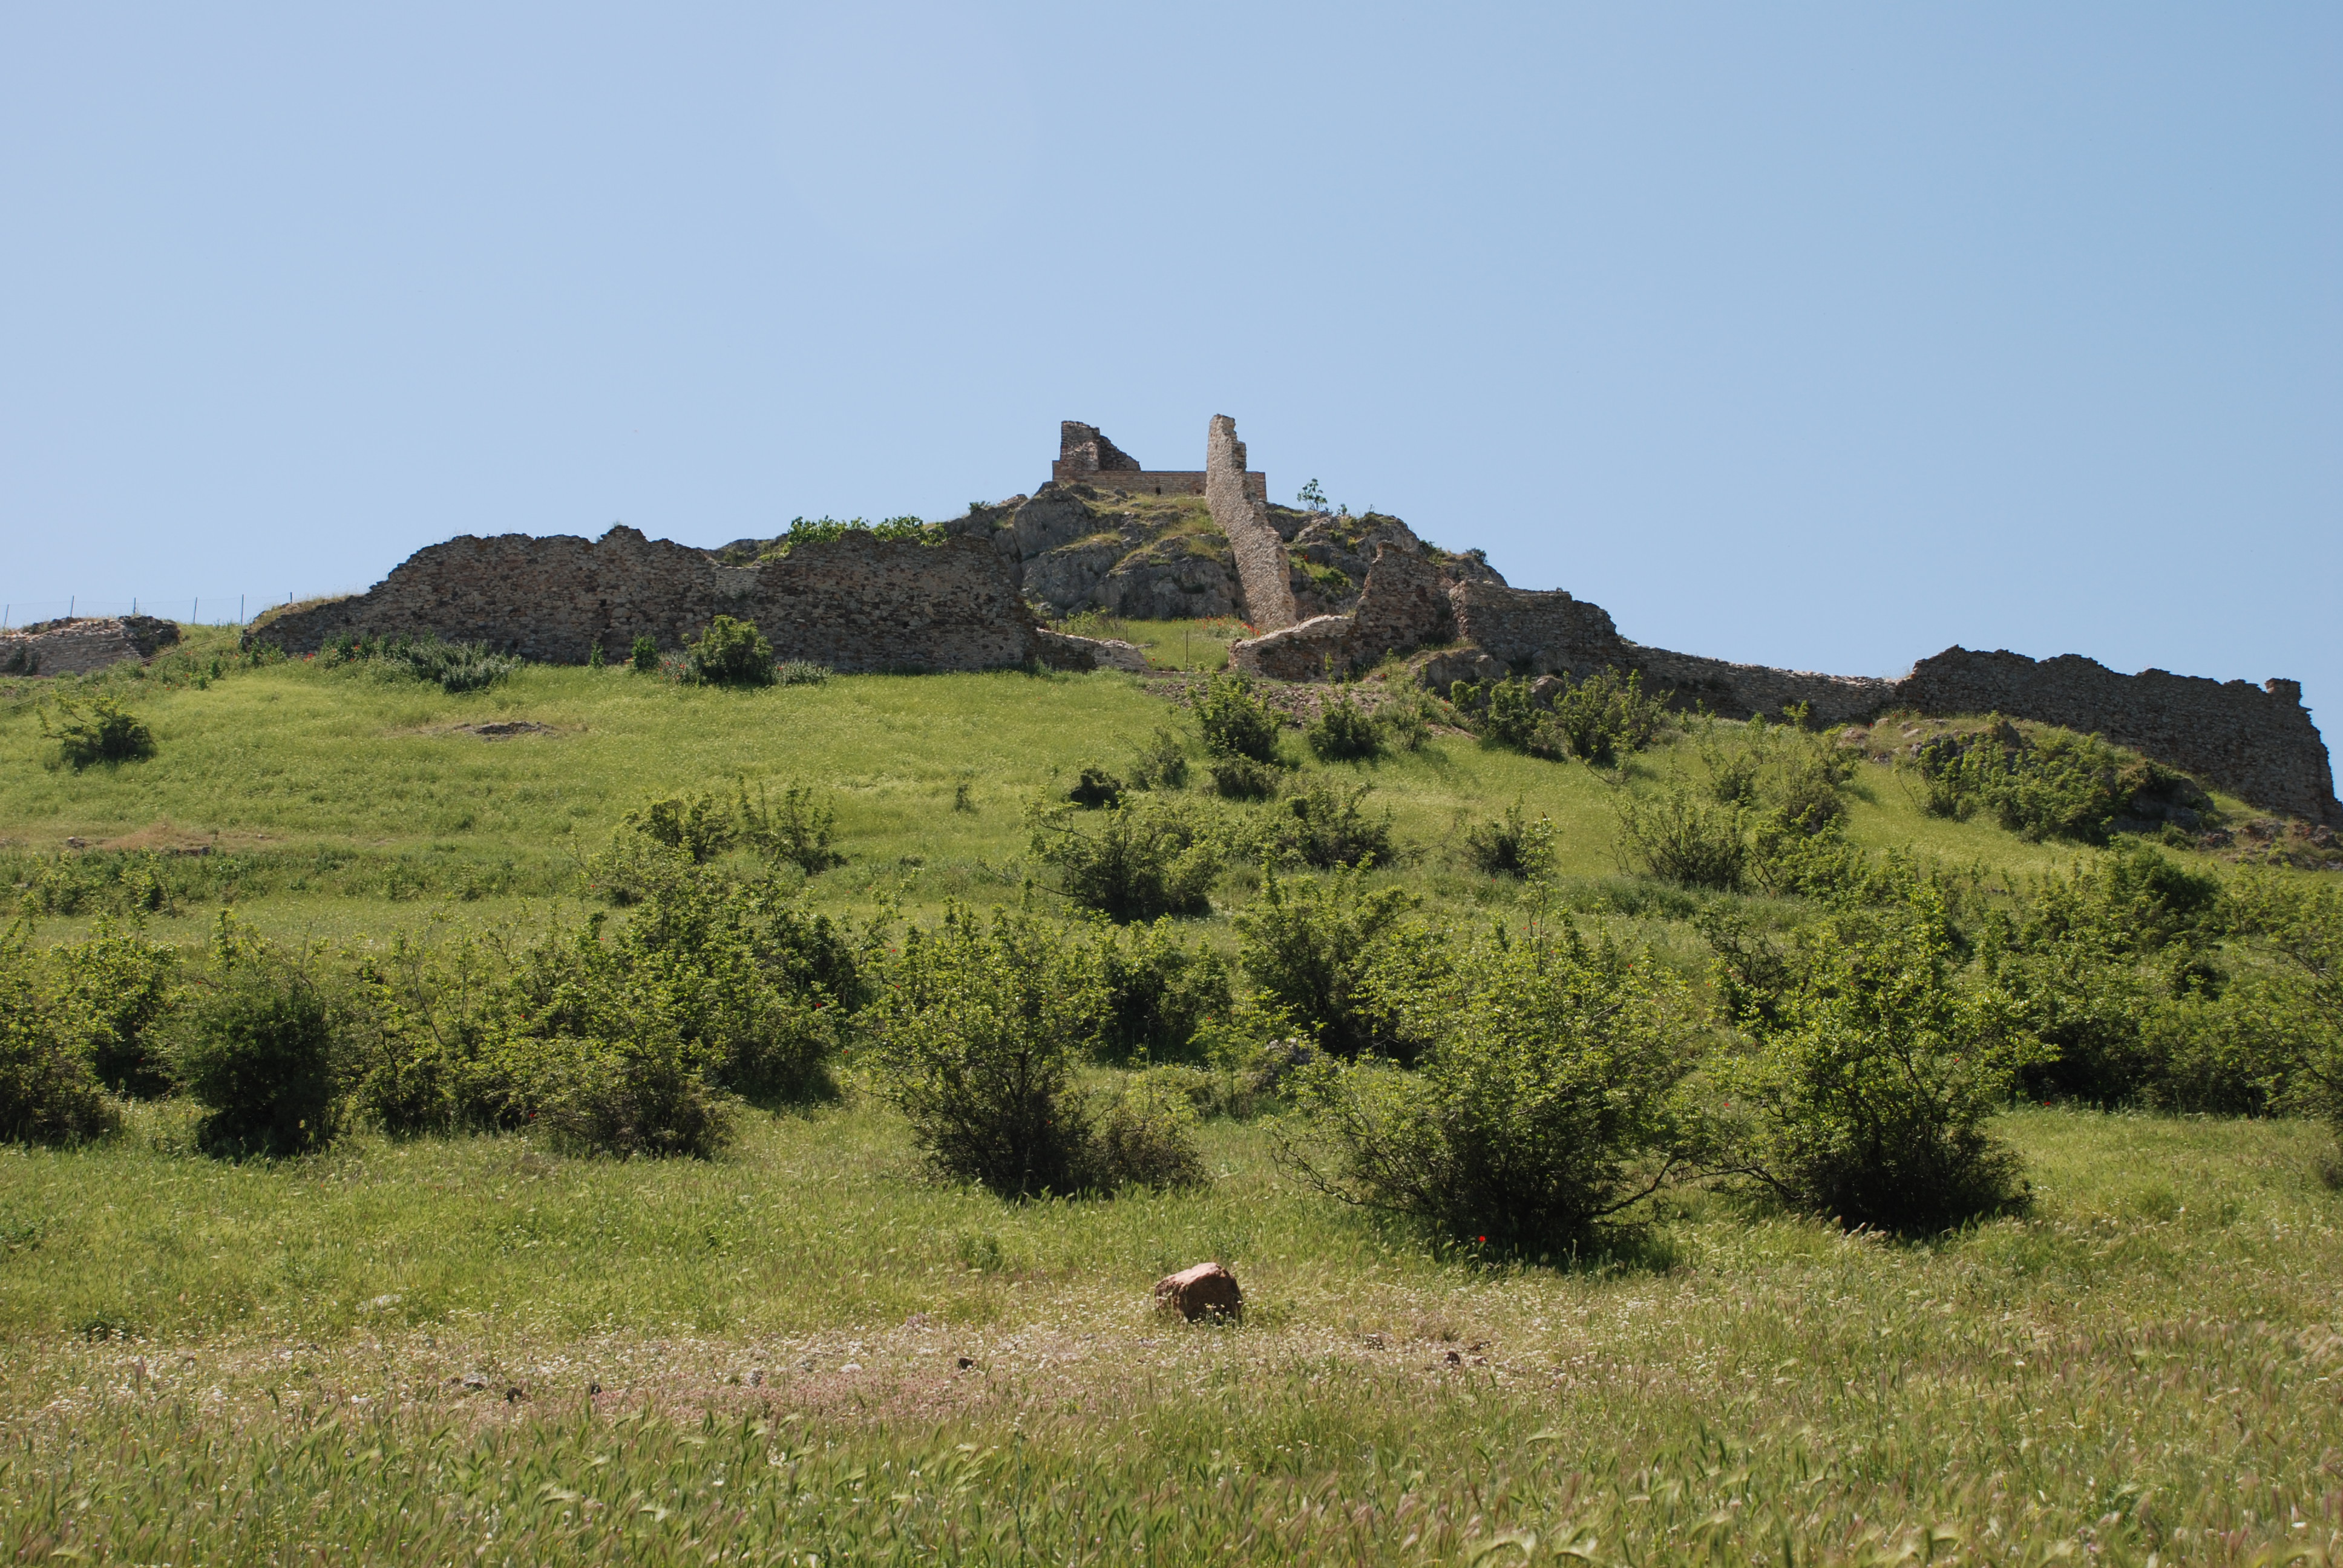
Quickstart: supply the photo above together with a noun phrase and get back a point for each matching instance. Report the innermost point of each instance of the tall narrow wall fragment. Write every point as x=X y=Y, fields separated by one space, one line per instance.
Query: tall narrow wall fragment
x=1262 y=571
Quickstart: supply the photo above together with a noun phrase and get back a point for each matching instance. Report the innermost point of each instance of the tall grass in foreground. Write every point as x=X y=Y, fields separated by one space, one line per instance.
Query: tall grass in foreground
x=392 y=1354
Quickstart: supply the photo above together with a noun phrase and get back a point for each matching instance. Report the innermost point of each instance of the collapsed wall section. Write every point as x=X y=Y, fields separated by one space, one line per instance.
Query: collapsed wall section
x=2257 y=742
x=1263 y=573
x=854 y=603
x=78 y=646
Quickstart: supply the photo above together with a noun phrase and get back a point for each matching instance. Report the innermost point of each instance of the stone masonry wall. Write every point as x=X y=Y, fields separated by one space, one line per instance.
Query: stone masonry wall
x=2257 y=742
x=1262 y=570
x=1403 y=604
x=79 y=646
x=854 y=603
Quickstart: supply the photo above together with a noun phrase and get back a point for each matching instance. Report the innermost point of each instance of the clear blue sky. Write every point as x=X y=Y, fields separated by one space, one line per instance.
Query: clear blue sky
x=1813 y=335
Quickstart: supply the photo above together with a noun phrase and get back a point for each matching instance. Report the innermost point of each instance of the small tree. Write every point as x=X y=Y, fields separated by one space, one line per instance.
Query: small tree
x=977 y=1042
x=729 y=653
x=1310 y=948
x=47 y=1092
x=256 y=1051
x=1873 y=1074
x=1344 y=733
x=1547 y=1102
x=1236 y=721
x=644 y=657
x=100 y=730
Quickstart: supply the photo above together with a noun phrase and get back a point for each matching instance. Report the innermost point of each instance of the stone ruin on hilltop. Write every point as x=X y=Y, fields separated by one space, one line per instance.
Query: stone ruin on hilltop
x=1327 y=596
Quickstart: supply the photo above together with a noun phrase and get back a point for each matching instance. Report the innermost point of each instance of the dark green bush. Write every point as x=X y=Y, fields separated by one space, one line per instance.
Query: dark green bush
x=48 y=1093
x=977 y=1040
x=1676 y=836
x=643 y=658
x=1143 y=860
x=1511 y=846
x=1242 y=778
x=1872 y=1075
x=698 y=826
x=453 y=667
x=1161 y=763
x=1403 y=719
x=257 y=1049
x=1604 y=715
x=1511 y=718
x=121 y=986
x=2289 y=1003
x=1157 y=991
x=98 y=730
x=1547 y=1101
x=1144 y=1137
x=1312 y=947
x=1343 y=733
x=1096 y=789
x=642 y=1097
x=800 y=831
x=728 y=653
x=1236 y=721
x=2050 y=783
x=1323 y=826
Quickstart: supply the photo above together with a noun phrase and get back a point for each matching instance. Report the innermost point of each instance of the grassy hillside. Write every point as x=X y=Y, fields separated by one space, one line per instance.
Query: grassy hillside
x=347 y=796
x=474 y=1347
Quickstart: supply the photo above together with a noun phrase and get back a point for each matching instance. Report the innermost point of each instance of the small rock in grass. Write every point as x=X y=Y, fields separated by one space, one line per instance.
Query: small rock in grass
x=1193 y=1292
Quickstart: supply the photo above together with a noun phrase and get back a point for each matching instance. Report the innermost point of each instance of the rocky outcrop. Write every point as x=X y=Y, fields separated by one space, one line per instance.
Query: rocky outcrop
x=1263 y=573
x=854 y=603
x=76 y=647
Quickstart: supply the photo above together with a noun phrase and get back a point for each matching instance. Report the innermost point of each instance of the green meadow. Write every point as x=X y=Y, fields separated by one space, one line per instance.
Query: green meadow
x=809 y=1350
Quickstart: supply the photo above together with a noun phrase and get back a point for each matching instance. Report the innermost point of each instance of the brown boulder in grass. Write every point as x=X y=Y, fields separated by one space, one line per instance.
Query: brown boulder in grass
x=1192 y=1293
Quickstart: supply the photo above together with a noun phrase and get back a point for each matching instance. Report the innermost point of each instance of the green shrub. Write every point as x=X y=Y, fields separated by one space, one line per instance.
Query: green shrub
x=1144 y=1137
x=976 y=1041
x=121 y=986
x=1161 y=763
x=257 y=1049
x=1310 y=948
x=1511 y=846
x=802 y=831
x=1604 y=715
x=1242 y=778
x=728 y=653
x=1236 y=721
x=1145 y=859
x=1323 y=828
x=699 y=825
x=1680 y=837
x=453 y=667
x=2050 y=783
x=1157 y=991
x=1403 y=719
x=1872 y=1076
x=48 y=1093
x=1547 y=1102
x=641 y=1096
x=99 y=730
x=1343 y=733
x=1513 y=719
x=2293 y=925
x=1097 y=787
x=643 y=658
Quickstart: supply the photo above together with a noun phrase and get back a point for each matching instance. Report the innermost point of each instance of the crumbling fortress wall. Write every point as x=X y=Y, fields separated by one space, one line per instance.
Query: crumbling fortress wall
x=1262 y=570
x=2257 y=743
x=1085 y=456
x=854 y=603
x=78 y=646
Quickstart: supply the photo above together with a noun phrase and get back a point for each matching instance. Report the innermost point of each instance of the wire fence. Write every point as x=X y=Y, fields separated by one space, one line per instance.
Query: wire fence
x=209 y=609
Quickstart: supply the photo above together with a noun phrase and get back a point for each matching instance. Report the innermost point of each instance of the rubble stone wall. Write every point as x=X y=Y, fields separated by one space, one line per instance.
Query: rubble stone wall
x=854 y=603
x=1262 y=570
x=2257 y=742
x=85 y=643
